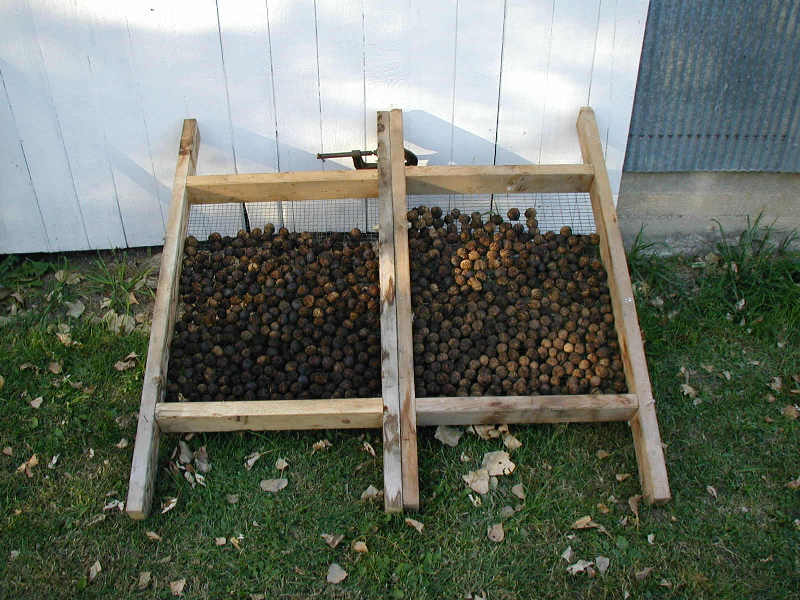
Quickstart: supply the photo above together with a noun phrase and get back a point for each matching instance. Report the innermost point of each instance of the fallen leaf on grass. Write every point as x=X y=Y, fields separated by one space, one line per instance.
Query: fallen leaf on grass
x=449 y=436
x=336 y=574
x=651 y=538
x=360 y=547
x=320 y=445
x=273 y=486
x=603 y=508
x=476 y=500
x=14 y=554
x=220 y=541
x=176 y=587
x=53 y=461
x=68 y=277
x=579 y=567
x=122 y=444
x=27 y=365
x=65 y=339
x=94 y=571
x=478 y=480
x=37 y=402
x=518 y=490
x=622 y=476
x=8 y=451
x=568 y=554
x=415 y=524
x=727 y=375
x=250 y=460
x=367 y=447
x=371 y=493
x=601 y=454
x=665 y=584
x=776 y=384
x=641 y=575
x=235 y=543
x=281 y=464
x=587 y=523
x=794 y=484
x=712 y=491
x=510 y=442
x=498 y=463
x=485 y=432
x=201 y=460
x=688 y=390
x=464 y=458
x=332 y=540
x=790 y=412
x=633 y=502
x=186 y=455
x=28 y=465
x=144 y=580
x=507 y=512
x=55 y=367
x=126 y=363
x=602 y=563
x=707 y=368
x=232 y=498
x=152 y=535
x=495 y=533
x=168 y=504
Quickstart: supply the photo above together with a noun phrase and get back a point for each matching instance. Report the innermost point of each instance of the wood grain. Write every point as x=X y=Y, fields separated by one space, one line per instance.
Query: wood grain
x=488 y=410
x=145 y=452
x=390 y=386
x=269 y=415
x=644 y=424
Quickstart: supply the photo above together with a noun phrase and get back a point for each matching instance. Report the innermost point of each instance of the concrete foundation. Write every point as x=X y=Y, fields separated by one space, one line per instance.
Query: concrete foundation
x=678 y=210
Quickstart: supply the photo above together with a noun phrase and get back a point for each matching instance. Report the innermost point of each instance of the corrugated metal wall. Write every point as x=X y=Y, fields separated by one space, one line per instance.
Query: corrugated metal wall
x=719 y=88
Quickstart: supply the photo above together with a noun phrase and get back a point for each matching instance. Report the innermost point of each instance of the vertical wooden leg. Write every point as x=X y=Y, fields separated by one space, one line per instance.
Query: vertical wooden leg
x=405 y=352
x=390 y=389
x=145 y=451
x=644 y=424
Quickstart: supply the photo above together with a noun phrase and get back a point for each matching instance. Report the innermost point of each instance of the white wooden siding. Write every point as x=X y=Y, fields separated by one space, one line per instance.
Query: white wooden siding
x=92 y=95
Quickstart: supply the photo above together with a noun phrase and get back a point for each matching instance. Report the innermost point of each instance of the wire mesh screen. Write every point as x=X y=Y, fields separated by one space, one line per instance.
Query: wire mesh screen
x=553 y=211
x=318 y=216
x=225 y=219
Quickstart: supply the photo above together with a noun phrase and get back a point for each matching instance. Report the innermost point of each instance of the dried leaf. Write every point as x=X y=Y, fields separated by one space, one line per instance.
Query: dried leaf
x=688 y=390
x=333 y=540
x=53 y=461
x=273 y=486
x=485 y=432
x=2 y=382
x=776 y=384
x=94 y=570
x=476 y=500
x=27 y=365
x=707 y=368
x=122 y=444
x=144 y=580
x=641 y=575
x=37 y=402
x=220 y=541
x=712 y=491
x=132 y=298
x=665 y=584
x=55 y=367
x=251 y=459
x=603 y=508
x=232 y=498
x=64 y=338
x=579 y=567
x=507 y=512
x=415 y=524
x=168 y=504
x=651 y=538
x=360 y=547
x=235 y=543
x=601 y=454
x=28 y=465
x=602 y=563
x=498 y=463
x=320 y=445
x=201 y=460
x=477 y=480
x=794 y=484
x=281 y=464
x=727 y=375
x=8 y=451
x=464 y=458
x=449 y=436
x=518 y=490
x=633 y=502
x=336 y=574
x=568 y=554
x=371 y=493
x=14 y=554
x=176 y=587
x=622 y=476
x=186 y=455
x=790 y=412
x=124 y=365
x=510 y=442
x=495 y=533
x=587 y=523
x=367 y=447
x=152 y=535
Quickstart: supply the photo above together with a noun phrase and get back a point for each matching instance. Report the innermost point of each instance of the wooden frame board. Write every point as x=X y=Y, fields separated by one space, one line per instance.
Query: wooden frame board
x=397 y=412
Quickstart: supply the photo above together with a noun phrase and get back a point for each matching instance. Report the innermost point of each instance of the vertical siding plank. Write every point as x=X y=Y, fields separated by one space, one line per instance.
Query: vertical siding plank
x=39 y=129
x=21 y=225
x=121 y=113
x=64 y=39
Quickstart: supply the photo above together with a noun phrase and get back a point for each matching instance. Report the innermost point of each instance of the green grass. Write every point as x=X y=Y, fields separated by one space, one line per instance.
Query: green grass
x=743 y=544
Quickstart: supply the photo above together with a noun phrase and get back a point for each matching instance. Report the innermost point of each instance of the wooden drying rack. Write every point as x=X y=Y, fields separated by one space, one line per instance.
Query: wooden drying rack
x=397 y=412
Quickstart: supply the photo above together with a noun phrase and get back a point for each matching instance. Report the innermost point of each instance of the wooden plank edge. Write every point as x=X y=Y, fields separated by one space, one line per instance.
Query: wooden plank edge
x=429 y=180
x=269 y=415
x=644 y=425
x=145 y=451
x=496 y=410
x=405 y=352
